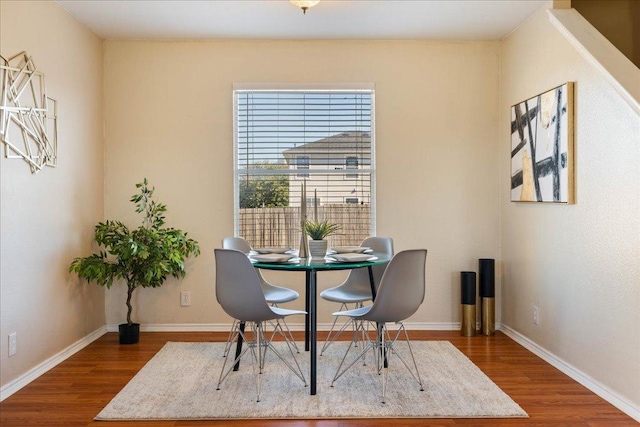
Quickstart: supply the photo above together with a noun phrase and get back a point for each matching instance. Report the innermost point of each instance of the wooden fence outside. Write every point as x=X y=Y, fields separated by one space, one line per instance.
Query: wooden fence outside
x=280 y=227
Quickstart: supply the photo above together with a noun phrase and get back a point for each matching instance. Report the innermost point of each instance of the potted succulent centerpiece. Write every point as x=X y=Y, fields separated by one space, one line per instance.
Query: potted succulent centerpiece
x=318 y=231
x=145 y=256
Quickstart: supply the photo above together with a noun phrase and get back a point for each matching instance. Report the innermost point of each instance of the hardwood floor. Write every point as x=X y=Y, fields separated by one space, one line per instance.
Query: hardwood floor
x=72 y=393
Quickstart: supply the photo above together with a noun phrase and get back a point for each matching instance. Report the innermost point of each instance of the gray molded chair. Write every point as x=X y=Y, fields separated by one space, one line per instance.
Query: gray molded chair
x=239 y=293
x=356 y=289
x=273 y=294
x=399 y=296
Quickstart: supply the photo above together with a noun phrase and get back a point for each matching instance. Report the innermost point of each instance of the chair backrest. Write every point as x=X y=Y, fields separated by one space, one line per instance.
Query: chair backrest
x=237 y=243
x=359 y=278
x=238 y=288
x=402 y=287
x=383 y=245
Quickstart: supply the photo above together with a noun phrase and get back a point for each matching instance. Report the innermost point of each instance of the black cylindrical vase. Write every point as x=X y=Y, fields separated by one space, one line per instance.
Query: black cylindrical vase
x=487 y=277
x=468 y=303
x=487 y=268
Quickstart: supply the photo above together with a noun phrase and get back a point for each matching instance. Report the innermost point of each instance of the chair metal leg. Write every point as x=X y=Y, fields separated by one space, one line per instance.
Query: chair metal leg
x=291 y=338
x=290 y=346
x=223 y=374
x=366 y=347
x=260 y=359
x=258 y=346
x=256 y=359
x=328 y=341
x=384 y=366
x=331 y=338
x=416 y=375
x=230 y=339
x=364 y=336
x=384 y=347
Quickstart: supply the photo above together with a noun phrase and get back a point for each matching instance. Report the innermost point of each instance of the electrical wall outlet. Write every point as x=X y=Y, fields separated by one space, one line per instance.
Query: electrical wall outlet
x=536 y=315
x=13 y=343
x=185 y=298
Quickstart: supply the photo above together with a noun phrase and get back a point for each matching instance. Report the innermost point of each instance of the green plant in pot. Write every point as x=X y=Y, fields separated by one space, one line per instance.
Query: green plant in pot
x=145 y=256
x=318 y=231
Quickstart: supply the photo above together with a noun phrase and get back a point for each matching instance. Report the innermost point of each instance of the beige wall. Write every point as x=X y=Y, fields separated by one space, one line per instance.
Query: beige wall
x=47 y=218
x=577 y=263
x=168 y=117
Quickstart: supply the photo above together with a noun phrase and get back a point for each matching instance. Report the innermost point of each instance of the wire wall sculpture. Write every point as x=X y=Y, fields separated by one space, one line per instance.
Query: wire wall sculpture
x=28 y=117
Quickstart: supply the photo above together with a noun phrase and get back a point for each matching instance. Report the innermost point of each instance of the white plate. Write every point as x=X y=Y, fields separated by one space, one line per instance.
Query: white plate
x=351 y=257
x=350 y=249
x=272 y=257
x=272 y=250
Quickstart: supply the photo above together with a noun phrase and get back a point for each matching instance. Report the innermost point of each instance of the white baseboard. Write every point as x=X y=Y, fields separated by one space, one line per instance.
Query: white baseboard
x=224 y=327
x=179 y=327
x=15 y=385
x=600 y=389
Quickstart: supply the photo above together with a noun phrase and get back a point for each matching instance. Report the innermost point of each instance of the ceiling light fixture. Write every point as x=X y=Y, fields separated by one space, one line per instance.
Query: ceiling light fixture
x=305 y=4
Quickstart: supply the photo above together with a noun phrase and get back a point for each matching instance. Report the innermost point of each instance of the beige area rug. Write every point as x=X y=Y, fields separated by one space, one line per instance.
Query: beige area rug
x=180 y=381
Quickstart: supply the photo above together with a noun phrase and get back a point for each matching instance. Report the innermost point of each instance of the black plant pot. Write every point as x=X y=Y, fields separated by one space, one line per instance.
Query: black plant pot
x=129 y=334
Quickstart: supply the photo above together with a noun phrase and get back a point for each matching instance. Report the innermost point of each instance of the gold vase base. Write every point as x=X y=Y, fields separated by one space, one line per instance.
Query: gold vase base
x=488 y=321
x=468 y=324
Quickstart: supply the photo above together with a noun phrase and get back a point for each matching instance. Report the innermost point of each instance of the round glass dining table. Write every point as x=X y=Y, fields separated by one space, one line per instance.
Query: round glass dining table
x=311 y=266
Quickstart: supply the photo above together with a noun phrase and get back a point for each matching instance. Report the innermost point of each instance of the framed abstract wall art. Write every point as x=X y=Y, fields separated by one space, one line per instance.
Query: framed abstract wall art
x=542 y=167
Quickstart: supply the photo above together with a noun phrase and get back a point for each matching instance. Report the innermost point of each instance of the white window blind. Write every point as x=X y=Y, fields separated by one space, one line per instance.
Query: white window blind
x=286 y=137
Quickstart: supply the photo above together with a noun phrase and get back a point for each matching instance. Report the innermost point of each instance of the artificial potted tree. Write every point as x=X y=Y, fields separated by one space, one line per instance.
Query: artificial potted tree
x=145 y=256
x=318 y=231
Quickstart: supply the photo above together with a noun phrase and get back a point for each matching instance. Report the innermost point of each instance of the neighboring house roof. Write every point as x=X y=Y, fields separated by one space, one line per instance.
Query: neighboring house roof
x=344 y=142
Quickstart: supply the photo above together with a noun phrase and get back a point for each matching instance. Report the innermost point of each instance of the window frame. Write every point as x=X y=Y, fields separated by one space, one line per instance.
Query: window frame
x=335 y=87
